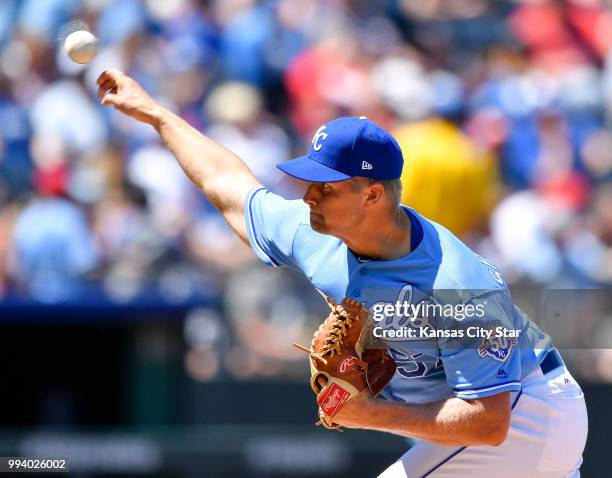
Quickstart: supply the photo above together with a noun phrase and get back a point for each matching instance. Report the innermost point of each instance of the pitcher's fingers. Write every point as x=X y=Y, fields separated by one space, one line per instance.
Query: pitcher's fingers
x=112 y=99
x=102 y=78
x=114 y=75
x=105 y=86
x=110 y=75
x=102 y=91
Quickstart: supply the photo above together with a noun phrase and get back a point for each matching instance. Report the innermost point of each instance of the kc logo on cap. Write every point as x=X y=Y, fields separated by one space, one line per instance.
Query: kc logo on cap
x=319 y=136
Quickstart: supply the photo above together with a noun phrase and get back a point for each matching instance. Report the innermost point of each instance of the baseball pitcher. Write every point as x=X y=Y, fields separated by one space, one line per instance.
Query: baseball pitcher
x=485 y=393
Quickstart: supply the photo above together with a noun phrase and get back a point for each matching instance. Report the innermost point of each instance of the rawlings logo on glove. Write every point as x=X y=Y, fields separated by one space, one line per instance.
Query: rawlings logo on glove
x=341 y=368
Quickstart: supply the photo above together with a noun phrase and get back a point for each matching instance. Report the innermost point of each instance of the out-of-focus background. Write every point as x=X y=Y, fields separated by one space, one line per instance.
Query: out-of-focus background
x=139 y=337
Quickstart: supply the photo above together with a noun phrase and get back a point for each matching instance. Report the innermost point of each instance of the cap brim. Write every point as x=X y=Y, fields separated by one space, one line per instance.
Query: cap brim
x=307 y=169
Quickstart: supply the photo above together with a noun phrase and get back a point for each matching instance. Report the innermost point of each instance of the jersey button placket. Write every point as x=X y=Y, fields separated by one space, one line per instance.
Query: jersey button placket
x=360 y=272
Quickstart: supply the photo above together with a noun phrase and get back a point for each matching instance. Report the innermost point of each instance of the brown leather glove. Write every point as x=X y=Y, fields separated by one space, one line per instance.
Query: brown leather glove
x=340 y=367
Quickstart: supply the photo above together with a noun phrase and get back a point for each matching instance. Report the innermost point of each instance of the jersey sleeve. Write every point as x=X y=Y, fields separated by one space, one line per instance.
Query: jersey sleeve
x=477 y=365
x=272 y=223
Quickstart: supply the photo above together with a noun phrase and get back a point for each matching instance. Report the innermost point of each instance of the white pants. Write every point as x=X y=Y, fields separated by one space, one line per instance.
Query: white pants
x=548 y=431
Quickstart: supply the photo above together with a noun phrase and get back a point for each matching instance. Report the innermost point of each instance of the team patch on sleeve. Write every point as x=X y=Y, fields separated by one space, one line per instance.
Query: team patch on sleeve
x=497 y=348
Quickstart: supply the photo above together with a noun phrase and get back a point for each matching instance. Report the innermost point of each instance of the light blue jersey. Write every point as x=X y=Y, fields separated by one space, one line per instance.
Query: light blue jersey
x=446 y=355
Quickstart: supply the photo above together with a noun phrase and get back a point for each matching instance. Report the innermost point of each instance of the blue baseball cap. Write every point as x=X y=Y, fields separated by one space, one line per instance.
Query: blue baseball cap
x=348 y=147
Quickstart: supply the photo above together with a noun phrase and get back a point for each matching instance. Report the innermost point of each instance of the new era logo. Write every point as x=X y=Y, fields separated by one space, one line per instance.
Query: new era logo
x=366 y=165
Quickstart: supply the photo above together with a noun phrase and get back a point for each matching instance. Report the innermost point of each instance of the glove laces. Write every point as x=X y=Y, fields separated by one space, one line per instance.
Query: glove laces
x=335 y=336
x=334 y=339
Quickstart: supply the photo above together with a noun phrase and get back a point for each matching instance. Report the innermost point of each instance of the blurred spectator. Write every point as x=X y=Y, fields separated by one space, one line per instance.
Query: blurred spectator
x=64 y=110
x=239 y=123
x=589 y=248
x=15 y=162
x=329 y=78
x=524 y=245
x=446 y=176
x=52 y=246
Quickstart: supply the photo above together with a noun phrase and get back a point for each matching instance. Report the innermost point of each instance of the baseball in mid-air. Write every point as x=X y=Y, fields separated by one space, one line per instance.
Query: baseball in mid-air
x=81 y=46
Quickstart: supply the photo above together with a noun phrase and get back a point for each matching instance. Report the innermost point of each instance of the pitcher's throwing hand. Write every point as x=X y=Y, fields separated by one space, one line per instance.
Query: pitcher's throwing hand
x=119 y=90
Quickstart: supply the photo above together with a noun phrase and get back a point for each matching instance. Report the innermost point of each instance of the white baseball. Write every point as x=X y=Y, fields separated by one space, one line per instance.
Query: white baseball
x=81 y=46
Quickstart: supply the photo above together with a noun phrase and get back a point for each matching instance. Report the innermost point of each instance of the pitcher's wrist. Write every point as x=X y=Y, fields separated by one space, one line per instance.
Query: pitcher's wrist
x=159 y=116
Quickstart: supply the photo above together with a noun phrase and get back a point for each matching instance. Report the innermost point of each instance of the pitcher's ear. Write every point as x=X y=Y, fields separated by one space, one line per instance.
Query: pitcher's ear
x=375 y=193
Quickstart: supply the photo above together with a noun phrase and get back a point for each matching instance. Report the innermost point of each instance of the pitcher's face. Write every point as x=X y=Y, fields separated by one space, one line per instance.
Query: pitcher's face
x=336 y=208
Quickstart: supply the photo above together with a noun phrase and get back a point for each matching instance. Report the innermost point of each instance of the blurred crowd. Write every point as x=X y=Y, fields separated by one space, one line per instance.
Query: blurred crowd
x=502 y=109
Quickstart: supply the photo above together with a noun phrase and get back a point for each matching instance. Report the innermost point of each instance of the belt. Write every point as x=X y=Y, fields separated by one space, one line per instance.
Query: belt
x=551 y=362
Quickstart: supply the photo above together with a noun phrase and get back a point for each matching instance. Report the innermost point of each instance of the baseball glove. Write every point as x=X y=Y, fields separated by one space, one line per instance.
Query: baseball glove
x=341 y=367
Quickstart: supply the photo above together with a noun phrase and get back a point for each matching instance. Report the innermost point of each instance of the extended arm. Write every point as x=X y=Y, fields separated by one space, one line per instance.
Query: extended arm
x=452 y=422
x=215 y=170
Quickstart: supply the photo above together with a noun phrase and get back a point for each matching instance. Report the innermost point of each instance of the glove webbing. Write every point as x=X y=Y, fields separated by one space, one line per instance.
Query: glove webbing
x=334 y=339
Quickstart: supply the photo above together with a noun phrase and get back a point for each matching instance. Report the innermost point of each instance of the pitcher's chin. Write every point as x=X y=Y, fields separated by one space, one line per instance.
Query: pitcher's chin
x=317 y=223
